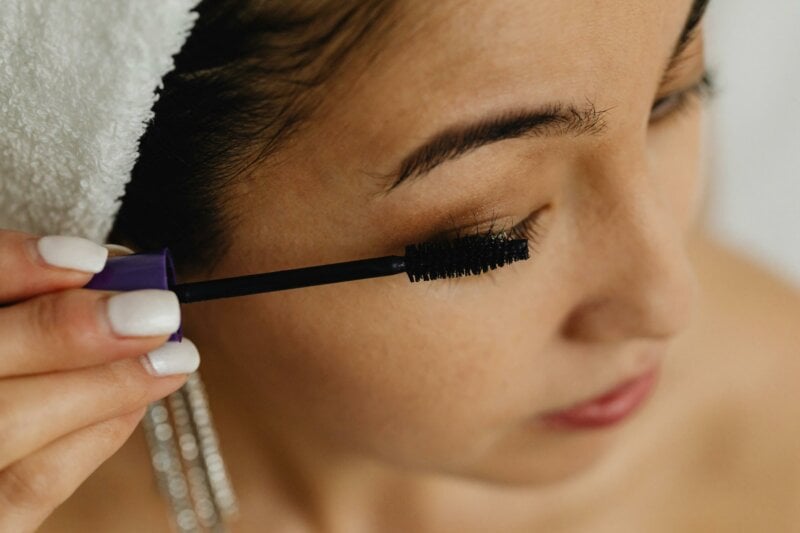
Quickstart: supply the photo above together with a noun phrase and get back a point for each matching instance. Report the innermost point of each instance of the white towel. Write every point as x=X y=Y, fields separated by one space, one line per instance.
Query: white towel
x=77 y=84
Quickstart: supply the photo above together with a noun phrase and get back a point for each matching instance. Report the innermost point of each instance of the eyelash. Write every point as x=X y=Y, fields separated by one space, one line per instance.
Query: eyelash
x=529 y=228
x=677 y=102
x=680 y=101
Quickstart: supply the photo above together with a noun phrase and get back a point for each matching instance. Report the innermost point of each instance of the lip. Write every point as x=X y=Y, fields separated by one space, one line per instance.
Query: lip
x=608 y=408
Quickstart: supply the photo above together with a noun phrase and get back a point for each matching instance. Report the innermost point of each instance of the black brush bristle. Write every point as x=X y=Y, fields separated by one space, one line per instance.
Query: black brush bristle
x=463 y=256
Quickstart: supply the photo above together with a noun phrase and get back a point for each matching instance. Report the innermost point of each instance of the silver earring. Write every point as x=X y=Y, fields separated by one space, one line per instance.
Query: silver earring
x=187 y=462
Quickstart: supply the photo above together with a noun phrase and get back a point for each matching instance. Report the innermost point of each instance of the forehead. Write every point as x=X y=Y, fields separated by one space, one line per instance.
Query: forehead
x=542 y=44
x=451 y=61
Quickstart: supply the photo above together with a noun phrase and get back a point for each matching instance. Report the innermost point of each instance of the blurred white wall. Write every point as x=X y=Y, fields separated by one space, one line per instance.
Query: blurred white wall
x=754 y=50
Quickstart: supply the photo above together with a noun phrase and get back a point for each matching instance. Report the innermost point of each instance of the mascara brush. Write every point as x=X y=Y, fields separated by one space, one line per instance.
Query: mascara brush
x=430 y=260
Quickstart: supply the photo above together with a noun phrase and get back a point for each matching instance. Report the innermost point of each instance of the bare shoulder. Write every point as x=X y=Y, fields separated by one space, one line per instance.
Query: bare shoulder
x=748 y=358
x=751 y=304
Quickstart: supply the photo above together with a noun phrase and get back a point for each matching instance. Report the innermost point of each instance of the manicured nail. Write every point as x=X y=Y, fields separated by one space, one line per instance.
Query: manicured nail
x=144 y=312
x=76 y=253
x=172 y=358
x=118 y=249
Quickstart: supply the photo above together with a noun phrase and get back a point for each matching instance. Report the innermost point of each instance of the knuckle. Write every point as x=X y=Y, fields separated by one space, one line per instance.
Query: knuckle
x=117 y=430
x=127 y=381
x=8 y=426
x=12 y=422
x=27 y=488
x=65 y=319
x=45 y=311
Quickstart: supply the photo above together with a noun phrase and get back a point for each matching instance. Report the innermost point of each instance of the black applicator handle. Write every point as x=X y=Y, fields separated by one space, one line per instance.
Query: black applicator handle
x=433 y=259
x=289 y=279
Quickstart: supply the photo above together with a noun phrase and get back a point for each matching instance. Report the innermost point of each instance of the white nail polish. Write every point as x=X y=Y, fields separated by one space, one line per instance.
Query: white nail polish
x=77 y=253
x=144 y=312
x=118 y=248
x=172 y=358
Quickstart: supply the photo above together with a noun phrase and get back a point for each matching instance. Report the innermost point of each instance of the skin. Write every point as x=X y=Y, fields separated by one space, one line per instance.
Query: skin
x=380 y=405
x=448 y=378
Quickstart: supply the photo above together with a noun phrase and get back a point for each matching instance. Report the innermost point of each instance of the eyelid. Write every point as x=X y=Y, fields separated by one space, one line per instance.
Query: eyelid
x=704 y=88
x=525 y=228
x=455 y=230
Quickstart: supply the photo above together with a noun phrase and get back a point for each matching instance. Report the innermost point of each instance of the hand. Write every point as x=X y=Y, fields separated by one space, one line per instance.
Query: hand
x=73 y=379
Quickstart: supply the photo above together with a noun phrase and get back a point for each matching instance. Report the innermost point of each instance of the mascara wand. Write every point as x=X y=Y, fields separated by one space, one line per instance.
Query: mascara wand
x=430 y=260
x=433 y=259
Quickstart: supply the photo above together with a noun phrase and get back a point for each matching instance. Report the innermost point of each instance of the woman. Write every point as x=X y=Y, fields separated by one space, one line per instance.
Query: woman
x=291 y=136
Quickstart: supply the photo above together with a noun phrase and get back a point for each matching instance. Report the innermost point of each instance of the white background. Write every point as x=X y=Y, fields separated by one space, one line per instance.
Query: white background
x=754 y=131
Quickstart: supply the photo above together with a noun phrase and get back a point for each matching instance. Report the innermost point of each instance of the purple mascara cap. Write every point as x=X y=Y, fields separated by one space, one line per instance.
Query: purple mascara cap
x=151 y=270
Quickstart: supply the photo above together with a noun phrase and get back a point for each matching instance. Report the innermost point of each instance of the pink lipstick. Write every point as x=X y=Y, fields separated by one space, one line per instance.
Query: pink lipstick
x=608 y=409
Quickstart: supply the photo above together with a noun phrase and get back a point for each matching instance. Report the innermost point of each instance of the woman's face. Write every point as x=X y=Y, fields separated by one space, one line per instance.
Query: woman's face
x=453 y=375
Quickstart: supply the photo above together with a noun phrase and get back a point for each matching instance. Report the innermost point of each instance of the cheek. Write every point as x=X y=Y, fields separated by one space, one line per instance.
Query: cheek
x=675 y=151
x=410 y=372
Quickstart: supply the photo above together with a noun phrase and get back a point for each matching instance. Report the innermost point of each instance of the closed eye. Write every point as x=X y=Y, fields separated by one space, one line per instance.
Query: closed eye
x=678 y=101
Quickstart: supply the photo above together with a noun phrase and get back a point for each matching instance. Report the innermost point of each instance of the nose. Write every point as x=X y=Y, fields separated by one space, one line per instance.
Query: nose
x=633 y=272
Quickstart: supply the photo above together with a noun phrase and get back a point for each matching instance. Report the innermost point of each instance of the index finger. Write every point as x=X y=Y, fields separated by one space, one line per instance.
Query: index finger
x=32 y=265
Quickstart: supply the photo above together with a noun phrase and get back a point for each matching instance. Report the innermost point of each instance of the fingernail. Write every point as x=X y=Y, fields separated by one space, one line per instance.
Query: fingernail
x=118 y=248
x=172 y=358
x=144 y=312
x=77 y=253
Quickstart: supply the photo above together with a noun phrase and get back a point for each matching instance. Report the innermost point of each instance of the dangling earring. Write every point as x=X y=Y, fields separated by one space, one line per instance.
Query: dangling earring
x=187 y=462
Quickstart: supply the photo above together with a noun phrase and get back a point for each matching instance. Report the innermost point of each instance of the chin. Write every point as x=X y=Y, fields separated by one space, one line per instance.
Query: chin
x=554 y=461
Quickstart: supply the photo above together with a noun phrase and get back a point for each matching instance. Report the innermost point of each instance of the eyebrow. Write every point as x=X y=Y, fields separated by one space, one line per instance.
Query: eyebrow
x=557 y=119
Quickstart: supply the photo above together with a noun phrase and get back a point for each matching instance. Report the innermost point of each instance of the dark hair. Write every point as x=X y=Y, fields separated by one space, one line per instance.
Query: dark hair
x=244 y=81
